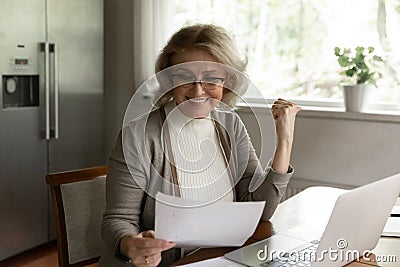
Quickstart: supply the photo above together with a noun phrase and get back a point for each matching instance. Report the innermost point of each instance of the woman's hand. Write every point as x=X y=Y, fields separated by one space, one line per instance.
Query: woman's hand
x=143 y=249
x=284 y=113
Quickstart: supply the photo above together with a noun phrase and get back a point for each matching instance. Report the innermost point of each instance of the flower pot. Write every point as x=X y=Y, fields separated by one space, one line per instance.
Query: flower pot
x=356 y=96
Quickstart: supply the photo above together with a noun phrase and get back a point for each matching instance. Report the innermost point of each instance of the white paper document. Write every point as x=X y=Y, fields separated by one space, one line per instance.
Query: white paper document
x=215 y=262
x=190 y=224
x=392 y=227
x=396 y=210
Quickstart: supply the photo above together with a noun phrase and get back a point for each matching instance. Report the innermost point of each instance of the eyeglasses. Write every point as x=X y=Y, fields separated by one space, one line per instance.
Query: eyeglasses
x=188 y=81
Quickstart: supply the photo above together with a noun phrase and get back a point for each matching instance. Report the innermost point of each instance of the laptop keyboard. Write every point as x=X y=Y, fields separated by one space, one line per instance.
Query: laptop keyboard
x=305 y=259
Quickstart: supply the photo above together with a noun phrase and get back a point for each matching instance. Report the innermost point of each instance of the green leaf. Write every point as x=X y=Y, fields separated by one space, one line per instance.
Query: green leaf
x=364 y=77
x=359 y=50
x=344 y=61
x=337 y=51
x=350 y=72
x=370 y=49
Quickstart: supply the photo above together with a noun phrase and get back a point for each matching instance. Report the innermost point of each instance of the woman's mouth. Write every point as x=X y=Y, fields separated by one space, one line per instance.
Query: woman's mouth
x=198 y=100
x=197 y=107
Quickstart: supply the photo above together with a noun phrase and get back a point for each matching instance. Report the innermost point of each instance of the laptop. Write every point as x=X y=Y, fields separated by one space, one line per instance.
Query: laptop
x=354 y=228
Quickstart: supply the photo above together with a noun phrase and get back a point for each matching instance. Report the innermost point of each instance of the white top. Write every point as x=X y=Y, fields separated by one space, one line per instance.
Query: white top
x=199 y=158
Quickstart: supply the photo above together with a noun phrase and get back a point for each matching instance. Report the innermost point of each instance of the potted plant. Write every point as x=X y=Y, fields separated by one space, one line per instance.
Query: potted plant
x=360 y=75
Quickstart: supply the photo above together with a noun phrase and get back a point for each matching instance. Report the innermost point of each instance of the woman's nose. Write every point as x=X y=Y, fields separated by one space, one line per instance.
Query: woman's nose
x=198 y=89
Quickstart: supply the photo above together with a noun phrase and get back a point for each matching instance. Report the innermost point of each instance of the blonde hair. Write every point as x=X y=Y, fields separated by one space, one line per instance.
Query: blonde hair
x=216 y=41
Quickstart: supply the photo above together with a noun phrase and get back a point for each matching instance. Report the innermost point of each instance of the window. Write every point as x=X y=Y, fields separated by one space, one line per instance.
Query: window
x=289 y=44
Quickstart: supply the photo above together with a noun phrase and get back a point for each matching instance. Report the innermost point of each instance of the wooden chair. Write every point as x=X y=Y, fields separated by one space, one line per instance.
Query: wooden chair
x=78 y=199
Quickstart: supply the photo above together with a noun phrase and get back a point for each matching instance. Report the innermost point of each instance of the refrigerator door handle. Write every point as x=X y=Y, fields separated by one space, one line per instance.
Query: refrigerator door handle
x=45 y=47
x=56 y=91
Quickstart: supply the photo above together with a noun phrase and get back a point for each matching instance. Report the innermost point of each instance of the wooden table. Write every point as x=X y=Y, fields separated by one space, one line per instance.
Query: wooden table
x=312 y=208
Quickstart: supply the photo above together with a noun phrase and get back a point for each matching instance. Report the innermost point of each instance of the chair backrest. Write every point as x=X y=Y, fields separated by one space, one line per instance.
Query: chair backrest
x=78 y=202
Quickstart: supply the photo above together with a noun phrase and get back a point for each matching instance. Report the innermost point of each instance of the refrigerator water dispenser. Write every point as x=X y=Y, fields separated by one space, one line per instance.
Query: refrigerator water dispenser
x=20 y=91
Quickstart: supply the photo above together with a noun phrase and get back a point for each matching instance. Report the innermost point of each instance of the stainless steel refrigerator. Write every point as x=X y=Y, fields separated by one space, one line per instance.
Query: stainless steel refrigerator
x=51 y=108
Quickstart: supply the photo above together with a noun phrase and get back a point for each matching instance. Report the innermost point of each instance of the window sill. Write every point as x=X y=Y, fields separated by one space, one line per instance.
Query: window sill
x=331 y=113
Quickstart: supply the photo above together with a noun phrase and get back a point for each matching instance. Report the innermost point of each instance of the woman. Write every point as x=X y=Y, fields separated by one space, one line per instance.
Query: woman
x=155 y=153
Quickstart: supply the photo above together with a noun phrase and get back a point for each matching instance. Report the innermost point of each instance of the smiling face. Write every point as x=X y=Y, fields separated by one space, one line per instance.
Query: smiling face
x=194 y=98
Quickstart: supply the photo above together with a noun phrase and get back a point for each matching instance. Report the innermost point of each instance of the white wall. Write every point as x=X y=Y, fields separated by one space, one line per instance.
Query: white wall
x=339 y=150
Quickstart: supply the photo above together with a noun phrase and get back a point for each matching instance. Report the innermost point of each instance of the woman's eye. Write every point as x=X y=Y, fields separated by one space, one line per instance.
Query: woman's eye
x=210 y=80
x=186 y=78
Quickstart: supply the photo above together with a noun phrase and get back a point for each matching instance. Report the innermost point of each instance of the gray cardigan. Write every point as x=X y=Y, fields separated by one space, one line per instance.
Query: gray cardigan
x=132 y=183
